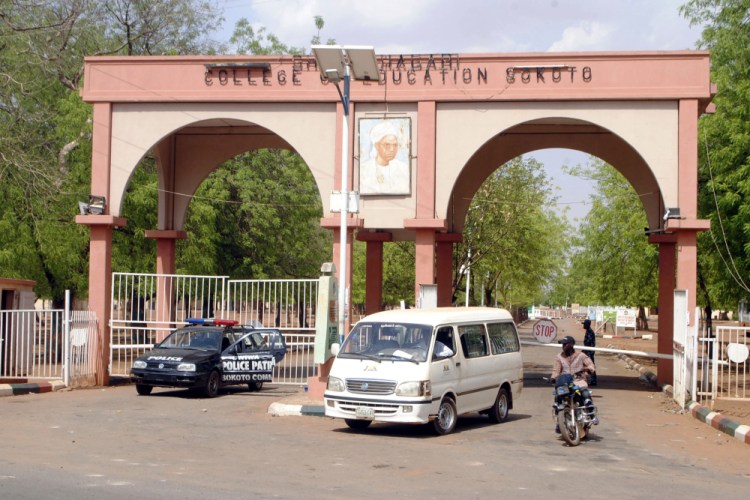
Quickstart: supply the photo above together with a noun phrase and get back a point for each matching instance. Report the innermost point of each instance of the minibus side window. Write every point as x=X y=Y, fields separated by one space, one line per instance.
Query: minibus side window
x=444 y=340
x=503 y=338
x=473 y=341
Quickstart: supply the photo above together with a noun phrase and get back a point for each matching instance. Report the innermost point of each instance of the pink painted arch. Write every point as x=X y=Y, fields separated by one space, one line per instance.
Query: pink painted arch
x=556 y=132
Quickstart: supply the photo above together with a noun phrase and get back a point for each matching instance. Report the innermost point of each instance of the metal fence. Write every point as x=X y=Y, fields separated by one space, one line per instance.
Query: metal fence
x=146 y=307
x=721 y=365
x=48 y=344
x=138 y=321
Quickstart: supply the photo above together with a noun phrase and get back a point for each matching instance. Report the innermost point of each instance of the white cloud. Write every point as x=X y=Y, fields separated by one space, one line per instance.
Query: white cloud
x=586 y=36
x=463 y=26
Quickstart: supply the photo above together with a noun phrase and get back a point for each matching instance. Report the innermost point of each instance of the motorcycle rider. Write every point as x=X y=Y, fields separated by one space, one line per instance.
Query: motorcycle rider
x=578 y=365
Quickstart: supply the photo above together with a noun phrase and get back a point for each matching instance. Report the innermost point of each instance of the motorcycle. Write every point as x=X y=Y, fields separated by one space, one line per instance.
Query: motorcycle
x=574 y=411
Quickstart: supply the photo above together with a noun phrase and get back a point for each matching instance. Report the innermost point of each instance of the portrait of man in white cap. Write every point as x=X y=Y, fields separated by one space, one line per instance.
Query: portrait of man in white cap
x=383 y=166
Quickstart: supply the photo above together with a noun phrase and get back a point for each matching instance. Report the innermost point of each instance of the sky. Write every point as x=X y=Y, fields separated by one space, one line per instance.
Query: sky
x=481 y=26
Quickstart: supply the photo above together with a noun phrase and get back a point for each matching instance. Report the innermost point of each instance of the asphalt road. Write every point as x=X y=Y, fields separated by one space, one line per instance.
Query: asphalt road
x=111 y=443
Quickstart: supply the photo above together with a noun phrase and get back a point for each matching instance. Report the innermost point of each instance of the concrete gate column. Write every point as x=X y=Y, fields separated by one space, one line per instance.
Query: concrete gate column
x=100 y=238
x=444 y=273
x=424 y=271
x=165 y=265
x=374 y=269
x=667 y=260
x=684 y=227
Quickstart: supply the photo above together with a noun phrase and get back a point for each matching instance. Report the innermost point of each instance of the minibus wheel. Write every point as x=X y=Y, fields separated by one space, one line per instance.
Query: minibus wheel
x=446 y=418
x=499 y=411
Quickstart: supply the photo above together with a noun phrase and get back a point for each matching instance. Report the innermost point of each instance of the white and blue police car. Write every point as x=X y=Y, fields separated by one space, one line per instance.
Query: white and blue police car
x=207 y=354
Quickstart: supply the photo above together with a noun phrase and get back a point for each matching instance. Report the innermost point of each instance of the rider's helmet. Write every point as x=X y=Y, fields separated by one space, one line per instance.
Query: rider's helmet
x=567 y=340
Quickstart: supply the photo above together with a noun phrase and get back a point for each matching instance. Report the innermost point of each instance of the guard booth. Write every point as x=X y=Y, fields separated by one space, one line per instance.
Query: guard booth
x=16 y=349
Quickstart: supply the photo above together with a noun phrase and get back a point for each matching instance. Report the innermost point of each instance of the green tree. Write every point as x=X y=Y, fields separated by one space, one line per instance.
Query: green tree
x=514 y=242
x=45 y=129
x=612 y=262
x=724 y=154
x=256 y=216
x=398 y=273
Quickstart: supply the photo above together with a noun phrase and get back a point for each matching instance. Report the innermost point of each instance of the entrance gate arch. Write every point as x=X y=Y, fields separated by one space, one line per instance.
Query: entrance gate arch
x=461 y=116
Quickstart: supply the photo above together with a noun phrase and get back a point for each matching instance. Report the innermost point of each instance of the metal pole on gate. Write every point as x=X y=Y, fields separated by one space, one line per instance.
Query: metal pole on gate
x=66 y=340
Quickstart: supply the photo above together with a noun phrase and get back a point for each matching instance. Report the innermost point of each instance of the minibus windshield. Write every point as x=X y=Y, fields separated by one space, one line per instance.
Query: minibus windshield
x=391 y=341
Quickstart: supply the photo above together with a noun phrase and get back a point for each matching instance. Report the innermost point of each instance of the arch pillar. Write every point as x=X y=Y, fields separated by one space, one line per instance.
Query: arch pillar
x=100 y=237
x=444 y=273
x=667 y=267
x=100 y=285
x=374 y=268
x=424 y=265
x=165 y=265
x=688 y=225
x=678 y=247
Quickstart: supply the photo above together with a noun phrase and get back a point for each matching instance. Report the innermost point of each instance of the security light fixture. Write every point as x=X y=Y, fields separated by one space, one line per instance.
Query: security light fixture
x=672 y=213
x=95 y=206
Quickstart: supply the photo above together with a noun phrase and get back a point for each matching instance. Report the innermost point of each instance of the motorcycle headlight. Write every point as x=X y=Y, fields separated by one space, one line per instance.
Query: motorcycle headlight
x=186 y=367
x=335 y=384
x=139 y=364
x=415 y=388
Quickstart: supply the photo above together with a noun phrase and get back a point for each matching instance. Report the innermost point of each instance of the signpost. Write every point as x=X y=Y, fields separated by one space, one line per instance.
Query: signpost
x=545 y=331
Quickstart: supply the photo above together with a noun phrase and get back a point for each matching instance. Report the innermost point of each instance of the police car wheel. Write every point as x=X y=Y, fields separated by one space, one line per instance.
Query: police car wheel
x=212 y=386
x=255 y=386
x=143 y=390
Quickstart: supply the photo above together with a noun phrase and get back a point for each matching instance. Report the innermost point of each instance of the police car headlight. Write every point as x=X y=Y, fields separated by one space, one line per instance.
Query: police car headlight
x=416 y=388
x=335 y=384
x=139 y=364
x=186 y=367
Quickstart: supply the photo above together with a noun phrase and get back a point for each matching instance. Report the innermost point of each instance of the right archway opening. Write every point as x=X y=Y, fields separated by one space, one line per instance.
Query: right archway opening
x=510 y=158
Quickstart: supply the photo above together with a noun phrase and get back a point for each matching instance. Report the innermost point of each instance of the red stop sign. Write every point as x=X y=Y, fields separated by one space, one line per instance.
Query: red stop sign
x=545 y=331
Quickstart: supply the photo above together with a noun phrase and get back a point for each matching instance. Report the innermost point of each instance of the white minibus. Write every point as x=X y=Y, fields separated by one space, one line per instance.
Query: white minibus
x=426 y=365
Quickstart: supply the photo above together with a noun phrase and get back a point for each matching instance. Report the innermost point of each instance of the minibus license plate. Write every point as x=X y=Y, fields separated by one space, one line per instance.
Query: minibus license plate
x=365 y=412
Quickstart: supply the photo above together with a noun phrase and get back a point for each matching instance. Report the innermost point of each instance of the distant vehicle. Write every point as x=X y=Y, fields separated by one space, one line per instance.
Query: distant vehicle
x=426 y=365
x=209 y=354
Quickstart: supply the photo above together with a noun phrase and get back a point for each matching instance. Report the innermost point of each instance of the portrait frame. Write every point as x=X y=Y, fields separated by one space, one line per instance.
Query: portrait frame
x=394 y=177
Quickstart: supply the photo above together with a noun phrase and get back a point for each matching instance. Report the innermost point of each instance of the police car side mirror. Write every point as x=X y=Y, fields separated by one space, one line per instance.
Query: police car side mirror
x=335 y=348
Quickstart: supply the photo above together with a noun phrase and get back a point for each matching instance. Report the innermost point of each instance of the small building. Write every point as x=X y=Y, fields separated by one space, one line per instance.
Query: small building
x=16 y=294
x=16 y=351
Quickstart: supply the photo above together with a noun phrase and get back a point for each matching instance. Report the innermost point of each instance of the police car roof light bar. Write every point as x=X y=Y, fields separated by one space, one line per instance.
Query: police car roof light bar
x=225 y=322
x=195 y=321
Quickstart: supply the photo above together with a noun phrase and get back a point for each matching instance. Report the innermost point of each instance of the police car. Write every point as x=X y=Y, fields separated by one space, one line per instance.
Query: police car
x=208 y=354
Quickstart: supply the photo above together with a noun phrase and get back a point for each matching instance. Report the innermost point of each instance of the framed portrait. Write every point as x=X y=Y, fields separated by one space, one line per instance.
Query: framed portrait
x=384 y=156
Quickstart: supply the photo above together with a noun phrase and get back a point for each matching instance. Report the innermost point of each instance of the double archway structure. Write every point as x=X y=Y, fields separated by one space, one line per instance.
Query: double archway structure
x=458 y=118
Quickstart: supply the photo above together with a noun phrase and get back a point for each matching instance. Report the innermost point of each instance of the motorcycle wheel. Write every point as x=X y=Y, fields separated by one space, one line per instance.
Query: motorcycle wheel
x=570 y=429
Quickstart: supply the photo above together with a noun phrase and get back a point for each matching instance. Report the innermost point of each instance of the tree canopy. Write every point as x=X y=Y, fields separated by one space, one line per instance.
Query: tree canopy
x=612 y=262
x=514 y=240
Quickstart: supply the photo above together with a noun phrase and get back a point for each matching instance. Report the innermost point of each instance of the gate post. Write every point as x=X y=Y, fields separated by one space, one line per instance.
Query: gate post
x=667 y=260
x=165 y=269
x=681 y=321
x=100 y=285
x=66 y=340
x=374 y=268
x=444 y=272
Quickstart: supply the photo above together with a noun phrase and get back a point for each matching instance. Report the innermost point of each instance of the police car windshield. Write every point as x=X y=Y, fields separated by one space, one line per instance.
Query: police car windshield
x=388 y=341
x=197 y=338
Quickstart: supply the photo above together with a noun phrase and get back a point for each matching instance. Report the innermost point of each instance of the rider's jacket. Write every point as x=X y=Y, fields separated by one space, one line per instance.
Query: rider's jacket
x=573 y=364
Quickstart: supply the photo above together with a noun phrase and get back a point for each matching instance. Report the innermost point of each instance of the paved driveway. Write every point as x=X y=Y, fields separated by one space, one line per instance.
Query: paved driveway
x=112 y=443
